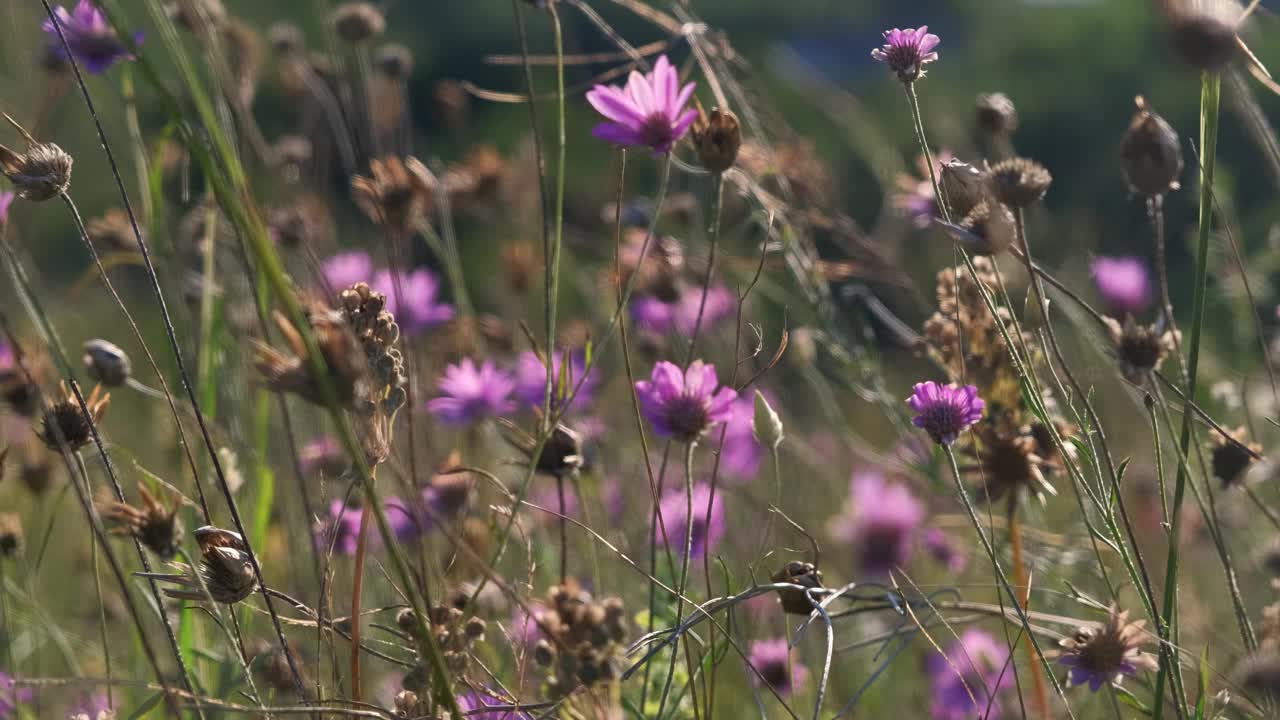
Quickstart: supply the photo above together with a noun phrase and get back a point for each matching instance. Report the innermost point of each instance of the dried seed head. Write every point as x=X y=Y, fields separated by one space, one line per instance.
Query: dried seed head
x=717 y=137
x=1141 y=348
x=963 y=186
x=20 y=390
x=106 y=363
x=195 y=15
x=286 y=38
x=1259 y=676
x=1102 y=654
x=1009 y=463
x=1232 y=457
x=452 y=103
x=561 y=455
x=155 y=526
x=992 y=224
x=10 y=535
x=1019 y=182
x=112 y=231
x=225 y=565
x=396 y=193
x=1203 y=32
x=305 y=222
x=358 y=22
x=65 y=422
x=1150 y=153
x=41 y=172
x=795 y=572
x=395 y=61
x=996 y=114
x=289 y=372
x=36 y=473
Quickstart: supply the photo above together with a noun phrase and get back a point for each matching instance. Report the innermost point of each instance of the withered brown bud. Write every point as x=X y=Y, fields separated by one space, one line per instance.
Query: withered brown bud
x=962 y=186
x=996 y=114
x=357 y=22
x=717 y=137
x=106 y=363
x=41 y=172
x=1141 y=348
x=193 y=15
x=1203 y=32
x=543 y=654
x=155 y=526
x=1150 y=153
x=474 y=629
x=64 y=421
x=395 y=61
x=10 y=535
x=396 y=193
x=1019 y=182
x=1231 y=457
x=225 y=569
x=286 y=38
x=451 y=102
x=804 y=574
x=992 y=225
x=112 y=231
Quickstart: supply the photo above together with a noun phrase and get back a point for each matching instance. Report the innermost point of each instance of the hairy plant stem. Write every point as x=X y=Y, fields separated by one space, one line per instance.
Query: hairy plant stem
x=1210 y=91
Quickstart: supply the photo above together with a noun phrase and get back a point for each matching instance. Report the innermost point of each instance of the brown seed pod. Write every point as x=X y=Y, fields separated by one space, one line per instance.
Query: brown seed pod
x=1150 y=153
x=717 y=137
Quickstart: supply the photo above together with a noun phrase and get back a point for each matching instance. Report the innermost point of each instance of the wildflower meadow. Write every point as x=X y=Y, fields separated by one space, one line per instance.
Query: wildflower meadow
x=639 y=359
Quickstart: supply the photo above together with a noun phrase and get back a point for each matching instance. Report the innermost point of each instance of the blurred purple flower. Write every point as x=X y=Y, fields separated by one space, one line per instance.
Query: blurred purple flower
x=531 y=379
x=772 y=658
x=420 y=291
x=880 y=522
x=943 y=549
x=653 y=315
x=471 y=700
x=914 y=196
x=524 y=628
x=346 y=269
x=93 y=41
x=980 y=662
x=684 y=406
x=721 y=305
x=547 y=496
x=944 y=411
x=470 y=393
x=1123 y=282
x=6 y=199
x=11 y=696
x=741 y=455
x=6 y=356
x=342 y=526
x=649 y=111
x=323 y=454
x=906 y=52
x=93 y=707
x=673 y=507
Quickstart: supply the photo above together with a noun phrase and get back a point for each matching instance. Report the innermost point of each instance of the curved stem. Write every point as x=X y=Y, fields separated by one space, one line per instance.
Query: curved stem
x=1021 y=580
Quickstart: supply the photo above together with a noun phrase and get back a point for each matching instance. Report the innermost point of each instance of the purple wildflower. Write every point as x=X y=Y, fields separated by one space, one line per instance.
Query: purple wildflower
x=470 y=393
x=93 y=41
x=684 y=406
x=943 y=549
x=11 y=697
x=322 y=455
x=342 y=526
x=772 y=659
x=531 y=379
x=652 y=315
x=974 y=663
x=906 y=52
x=1123 y=282
x=1101 y=654
x=721 y=305
x=649 y=111
x=673 y=507
x=741 y=455
x=6 y=199
x=881 y=523
x=914 y=195
x=944 y=411
x=346 y=269
x=547 y=496
x=420 y=291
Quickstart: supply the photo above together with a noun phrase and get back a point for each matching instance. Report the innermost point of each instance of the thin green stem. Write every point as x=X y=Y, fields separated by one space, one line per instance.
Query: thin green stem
x=1210 y=96
x=918 y=122
x=684 y=571
x=552 y=253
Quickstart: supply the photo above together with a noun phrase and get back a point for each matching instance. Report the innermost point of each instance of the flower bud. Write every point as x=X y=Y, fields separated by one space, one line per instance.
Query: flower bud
x=106 y=363
x=1203 y=32
x=766 y=426
x=1150 y=153
x=962 y=187
x=996 y=114
x=395 y=61
x=717 y=138
x=357 y=22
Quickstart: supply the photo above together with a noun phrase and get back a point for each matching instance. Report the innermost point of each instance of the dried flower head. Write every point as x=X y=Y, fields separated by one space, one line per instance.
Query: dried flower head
x=648 y=112
x=394 y=61
x=963 y=186
x=1258 y=675
x=358 y=22
x=112 y=231
x=10 y=537
x=804 y=574
x=41 y=172
x=290 y=372
x=1231 y=457
x=106 y=363
x=19 y=387
x=583 y=638
x=1203 y=32
x=65 y=422
x=396 y=193
x=996 y=114
x=684 y=405
x=155 y=526
x=717 y=138
x=1019 y=182
x=225 y=569
x=197 y=14
x=945 y=411
x=1005 y=463
x=561 y=455
x=91 y=37
x=1141 y=348
x=286 y=38
x=990 y=228
x=455 y=634
x=1150 y=153
x=1102 y=654
x=906 y=52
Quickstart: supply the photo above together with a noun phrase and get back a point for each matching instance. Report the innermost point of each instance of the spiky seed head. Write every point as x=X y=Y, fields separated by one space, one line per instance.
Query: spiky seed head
x=395 y=61
x=996 y=114
x=1019 y=182
x=41 y=172
x=717 y=137
x=358 y=22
